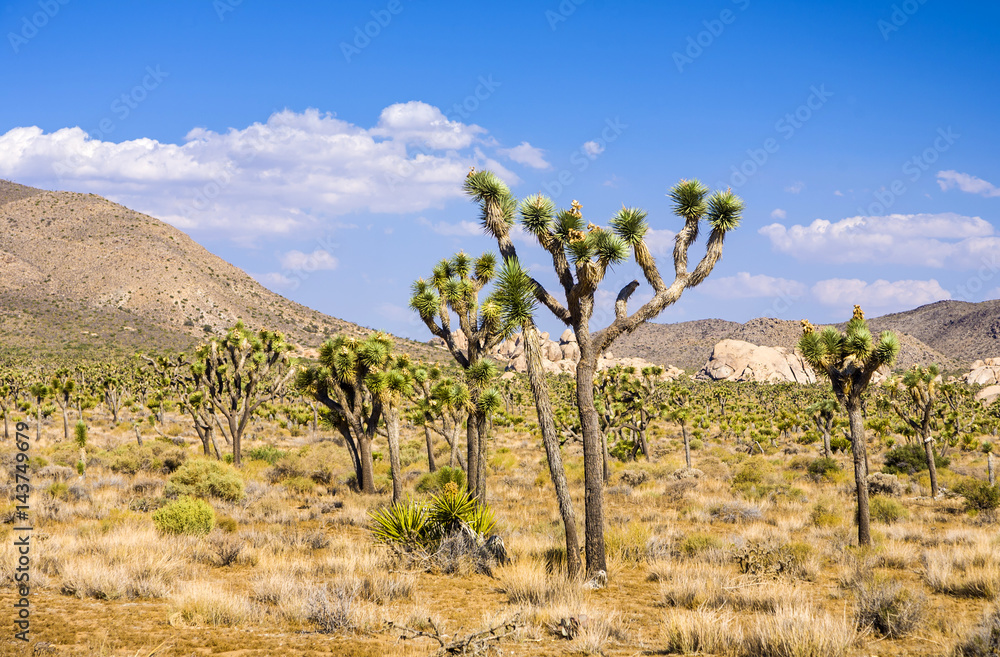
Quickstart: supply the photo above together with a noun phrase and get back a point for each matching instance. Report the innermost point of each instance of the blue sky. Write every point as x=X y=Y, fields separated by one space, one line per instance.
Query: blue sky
x=321 y=146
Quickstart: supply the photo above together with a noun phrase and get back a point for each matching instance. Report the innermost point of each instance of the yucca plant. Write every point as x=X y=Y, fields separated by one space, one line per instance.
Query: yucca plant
x=451 y=509
x=850 y=359
x=403 y=524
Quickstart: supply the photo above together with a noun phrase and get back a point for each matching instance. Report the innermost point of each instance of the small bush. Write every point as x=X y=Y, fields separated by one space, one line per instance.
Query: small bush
x=822 y=467
x=840 y=444
x=300 y=485
x=736 y=512
x=763 y=558
x=433 y=482
x=185 y=516
x=889 y=608
x=267 y=453
x=628 y=543
x=984 y=640
x=979 y=495
x=880 y=483
x=887 y=510
x=203 y=478
x=910 y=459
x=824 y=515
x=695 y=544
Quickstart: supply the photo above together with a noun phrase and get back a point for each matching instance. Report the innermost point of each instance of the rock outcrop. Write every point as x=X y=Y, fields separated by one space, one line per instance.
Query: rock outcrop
x=558 y=357
x=736 y=360
x=984 y=373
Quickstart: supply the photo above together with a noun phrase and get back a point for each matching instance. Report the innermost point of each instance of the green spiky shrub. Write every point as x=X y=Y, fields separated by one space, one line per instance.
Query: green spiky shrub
x=186 y=515
x=80 y=432
x=203 y=478
x=403 y=524
x=910 y=459
x=436 y=481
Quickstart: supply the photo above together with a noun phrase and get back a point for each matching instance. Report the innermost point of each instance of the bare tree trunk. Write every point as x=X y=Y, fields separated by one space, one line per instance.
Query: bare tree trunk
x=472 y=458
x=366 y=483
x=431 y=466
x=989 y=467
x=687 y=445
x=395 y=465
x=826 y=443
x=860 y=453
x=138 y=436
x=931 y=466
x=550 y=437
x=592 y=461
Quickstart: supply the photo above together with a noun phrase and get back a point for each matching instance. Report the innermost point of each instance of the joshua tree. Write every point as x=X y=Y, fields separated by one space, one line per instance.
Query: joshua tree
x=515 y=294
x=581 y=255
x=850 y=359
x=240 y=372
x=39 y=392
x=823 y=413
x=920 y=384
x=441 y=399
x=454 y=287
x=392 y=387
x=63 y=387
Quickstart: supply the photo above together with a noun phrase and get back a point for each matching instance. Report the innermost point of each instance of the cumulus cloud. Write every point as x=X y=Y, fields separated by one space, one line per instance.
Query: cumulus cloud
x=660 y=242
x=526 y=154
x=461 y=229
x=934 y=240
x=318 y=260
x=795 y=187
x=292 y=172
x=882 y=295
x=744 y=285
x=966 y=183
x=778 y=213
x=592 y=148
x=277 y=282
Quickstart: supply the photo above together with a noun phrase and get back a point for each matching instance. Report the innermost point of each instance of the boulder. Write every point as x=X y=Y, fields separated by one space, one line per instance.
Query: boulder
x=986 y=375
x=551 y=350
x=988 y=395
x=736 y=360
x=567 y=336
x=570 y=351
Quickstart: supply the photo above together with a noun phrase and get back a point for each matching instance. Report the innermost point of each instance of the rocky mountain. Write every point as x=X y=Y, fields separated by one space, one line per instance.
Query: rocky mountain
x=950 y=333
x=80 y=275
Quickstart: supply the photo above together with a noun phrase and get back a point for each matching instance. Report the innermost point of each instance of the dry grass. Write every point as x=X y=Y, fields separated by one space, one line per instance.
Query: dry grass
x=206 y=603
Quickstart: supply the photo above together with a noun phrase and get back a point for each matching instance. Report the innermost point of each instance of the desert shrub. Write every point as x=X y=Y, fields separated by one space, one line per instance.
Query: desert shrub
x=267 y=453
x=840 y=444
x=203 y=478
x=910 y=459
x=628 y=543
x=824 y=515
x=768 y=558
x=675 y=491
x=887 y=510
x=300 y=485
x=979 y=495
x=58 y=490
x=880 y=483
x=185 y=516
x=156 y=457
x=633 y=478
x=435 y=481
x=736 y=512
x=822 y=467
x=696 y=543
x=984 y=640
x=888 y=607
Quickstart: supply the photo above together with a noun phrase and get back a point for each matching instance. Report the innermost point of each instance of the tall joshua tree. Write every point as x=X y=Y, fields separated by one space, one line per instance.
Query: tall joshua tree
x=581 y=255
x=240 y=372
x=454 y=288
x=850 y=359
x=516 y=295
x=920 y=385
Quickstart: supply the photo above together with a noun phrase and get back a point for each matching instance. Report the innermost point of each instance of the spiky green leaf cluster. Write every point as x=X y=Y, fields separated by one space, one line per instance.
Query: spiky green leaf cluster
x=630 y=225
x=689 y=199
x=537 y=213
x=725 y=209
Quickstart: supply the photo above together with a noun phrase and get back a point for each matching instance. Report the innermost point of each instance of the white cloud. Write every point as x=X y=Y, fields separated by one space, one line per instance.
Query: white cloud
x=966 y=183
x=461 y=229
x=881 y=296
x=744 y=285
x=277 y=282
x=318 y=260
x=660 y=242
x=933 y=240
x=592 y=148
x=795 y=187
x=290 y=173
x=837 y=192
x=778 y=213
x=526 y=154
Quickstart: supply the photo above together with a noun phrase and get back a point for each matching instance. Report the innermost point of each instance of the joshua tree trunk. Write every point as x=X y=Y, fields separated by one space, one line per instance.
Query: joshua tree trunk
x=392 y=436
x=593 y=465
x=431 y=466
x=366 y=483
x=65 y=412
x=931 y=467
x=138 y=436
x=472 y=455
x=687 y=445
x=826 y=444
x=860 y=453
x=546 y=421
